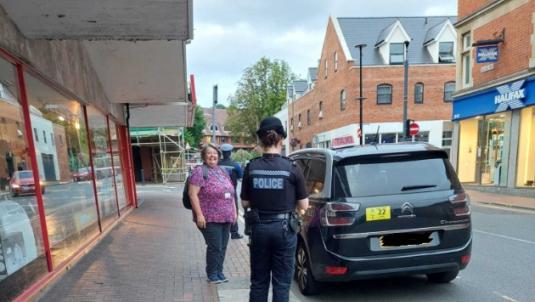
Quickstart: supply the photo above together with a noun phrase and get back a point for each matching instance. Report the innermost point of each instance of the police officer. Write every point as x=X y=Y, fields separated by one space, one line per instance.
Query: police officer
x=273 y=187
x=234 y=171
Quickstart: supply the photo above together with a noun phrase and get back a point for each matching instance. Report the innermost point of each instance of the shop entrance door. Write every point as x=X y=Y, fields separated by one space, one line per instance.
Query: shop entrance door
x=491 y=161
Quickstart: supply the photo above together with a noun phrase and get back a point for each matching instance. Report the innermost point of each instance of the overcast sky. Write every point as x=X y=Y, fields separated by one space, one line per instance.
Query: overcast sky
x=231 y=35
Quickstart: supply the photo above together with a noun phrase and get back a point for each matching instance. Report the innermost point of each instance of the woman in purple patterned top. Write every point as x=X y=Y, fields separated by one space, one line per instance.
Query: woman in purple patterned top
x=214 y=210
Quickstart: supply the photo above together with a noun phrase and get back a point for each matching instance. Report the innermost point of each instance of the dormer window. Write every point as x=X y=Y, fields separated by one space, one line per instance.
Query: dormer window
x=445 y=52
x=396 y=53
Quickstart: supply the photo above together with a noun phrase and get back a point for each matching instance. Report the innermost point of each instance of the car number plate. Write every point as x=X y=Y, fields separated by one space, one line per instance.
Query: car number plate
x=378 y=213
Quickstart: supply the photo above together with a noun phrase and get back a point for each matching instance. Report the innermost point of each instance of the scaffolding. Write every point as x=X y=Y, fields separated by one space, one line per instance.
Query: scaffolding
x=168 y=152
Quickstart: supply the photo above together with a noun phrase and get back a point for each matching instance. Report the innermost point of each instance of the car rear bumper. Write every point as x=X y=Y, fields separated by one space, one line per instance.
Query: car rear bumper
x=391 y=265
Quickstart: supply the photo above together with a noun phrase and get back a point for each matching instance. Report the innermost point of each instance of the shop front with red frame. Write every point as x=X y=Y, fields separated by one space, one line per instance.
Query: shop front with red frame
x=65 y=177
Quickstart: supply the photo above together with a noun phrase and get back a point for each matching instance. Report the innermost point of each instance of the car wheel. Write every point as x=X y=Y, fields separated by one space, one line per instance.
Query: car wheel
x=443 y=277
x=305 y=281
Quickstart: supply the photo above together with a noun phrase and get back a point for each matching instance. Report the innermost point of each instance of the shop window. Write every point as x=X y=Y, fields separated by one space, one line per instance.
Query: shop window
x=449 y=88
x=422 y=136
x=342 y=100
x=447 y=138
x=384 y=94
x=419 y=93
x=102 y=161
x=71 y=218
x=388 y=138
x=371 y=138
x=22 y=259
x=117 y=165
x=525 y=176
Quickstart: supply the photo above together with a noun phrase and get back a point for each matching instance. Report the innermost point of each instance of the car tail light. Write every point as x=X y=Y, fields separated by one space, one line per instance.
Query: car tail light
x=339 y=213
x=465 y=259
x=461 y=204
x=335 y=270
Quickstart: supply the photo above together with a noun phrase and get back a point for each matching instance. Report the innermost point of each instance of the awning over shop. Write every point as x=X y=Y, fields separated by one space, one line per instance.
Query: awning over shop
x=137 y=48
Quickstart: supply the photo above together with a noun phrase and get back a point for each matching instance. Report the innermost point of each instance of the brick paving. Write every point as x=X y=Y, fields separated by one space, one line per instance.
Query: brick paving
x=154 y=254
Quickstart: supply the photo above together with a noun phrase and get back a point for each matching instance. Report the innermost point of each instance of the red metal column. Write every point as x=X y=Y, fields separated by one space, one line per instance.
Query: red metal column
x=35 y=168
x=93 y=174
x=126 y=167
x=112 y=165
x=131 y=162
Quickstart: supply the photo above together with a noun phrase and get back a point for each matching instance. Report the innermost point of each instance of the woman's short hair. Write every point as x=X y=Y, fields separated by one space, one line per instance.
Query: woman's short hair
x=204 y=150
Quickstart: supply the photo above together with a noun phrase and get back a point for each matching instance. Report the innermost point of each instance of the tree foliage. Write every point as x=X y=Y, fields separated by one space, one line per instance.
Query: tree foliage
x=193 y=135
x=261 y=92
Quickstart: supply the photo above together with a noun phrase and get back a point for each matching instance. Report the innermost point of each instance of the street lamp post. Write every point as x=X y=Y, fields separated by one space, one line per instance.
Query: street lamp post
x=405 y=89
x=213 y=114
x=360 y=46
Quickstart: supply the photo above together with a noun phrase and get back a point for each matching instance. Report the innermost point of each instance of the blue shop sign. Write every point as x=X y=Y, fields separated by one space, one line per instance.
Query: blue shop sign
x=510 y=96
x=487 y=54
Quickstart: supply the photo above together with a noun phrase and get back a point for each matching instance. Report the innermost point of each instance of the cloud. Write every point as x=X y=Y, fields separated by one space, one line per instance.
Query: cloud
x=230 y=36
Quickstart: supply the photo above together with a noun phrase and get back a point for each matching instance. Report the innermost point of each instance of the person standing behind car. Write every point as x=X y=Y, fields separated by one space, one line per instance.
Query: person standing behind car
x=273 y=187
x=235 y=173
x=212 y=202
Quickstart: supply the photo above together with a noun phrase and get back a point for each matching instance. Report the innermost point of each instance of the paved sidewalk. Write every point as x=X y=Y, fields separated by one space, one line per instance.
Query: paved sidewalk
x=502 y=199
x=154 y=254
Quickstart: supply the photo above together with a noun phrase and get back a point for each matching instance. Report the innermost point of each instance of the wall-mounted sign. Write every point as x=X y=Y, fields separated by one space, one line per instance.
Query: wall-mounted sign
x=342 y=141
x=510 y=96
x=487 y=54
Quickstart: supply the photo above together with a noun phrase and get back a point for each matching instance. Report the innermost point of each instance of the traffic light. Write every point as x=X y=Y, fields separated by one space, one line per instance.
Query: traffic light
x=407 y=127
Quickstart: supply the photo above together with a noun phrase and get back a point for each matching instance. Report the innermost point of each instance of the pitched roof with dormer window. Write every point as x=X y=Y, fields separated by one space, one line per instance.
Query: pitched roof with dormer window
x=375 y=32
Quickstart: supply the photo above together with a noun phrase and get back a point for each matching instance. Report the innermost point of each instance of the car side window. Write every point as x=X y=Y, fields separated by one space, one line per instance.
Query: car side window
x=315 y=179
x=302 y=163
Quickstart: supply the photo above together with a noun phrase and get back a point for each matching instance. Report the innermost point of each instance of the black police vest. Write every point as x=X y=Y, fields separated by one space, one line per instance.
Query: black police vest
x=272 y=184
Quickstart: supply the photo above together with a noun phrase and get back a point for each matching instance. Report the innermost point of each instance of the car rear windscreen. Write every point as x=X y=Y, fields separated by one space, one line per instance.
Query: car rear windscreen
x=26 y=174
x=391 y=174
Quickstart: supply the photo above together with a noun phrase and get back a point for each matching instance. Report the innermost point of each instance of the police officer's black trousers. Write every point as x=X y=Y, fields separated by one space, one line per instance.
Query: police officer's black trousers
x=273 y=247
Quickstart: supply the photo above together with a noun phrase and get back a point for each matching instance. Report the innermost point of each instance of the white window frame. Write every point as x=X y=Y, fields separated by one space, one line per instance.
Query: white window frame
x=466 y=61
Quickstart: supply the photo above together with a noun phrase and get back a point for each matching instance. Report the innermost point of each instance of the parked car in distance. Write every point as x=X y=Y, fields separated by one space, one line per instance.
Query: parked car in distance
x=82 y=174
x=22 y=183
x=381 y=211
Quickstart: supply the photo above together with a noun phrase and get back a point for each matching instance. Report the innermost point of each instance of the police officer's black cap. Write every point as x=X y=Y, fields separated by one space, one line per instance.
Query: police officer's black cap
x=271 y=123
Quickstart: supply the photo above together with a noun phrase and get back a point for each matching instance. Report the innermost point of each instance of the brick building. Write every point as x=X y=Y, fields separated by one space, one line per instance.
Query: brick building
x=222 y=135
x=328 y=113
x=493 y=108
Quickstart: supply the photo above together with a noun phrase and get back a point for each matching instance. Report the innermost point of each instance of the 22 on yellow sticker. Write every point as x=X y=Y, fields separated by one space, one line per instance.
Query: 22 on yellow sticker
x=378 y=213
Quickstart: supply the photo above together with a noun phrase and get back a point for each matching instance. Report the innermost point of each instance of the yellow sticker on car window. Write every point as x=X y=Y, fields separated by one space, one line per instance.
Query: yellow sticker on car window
x=378 y=213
